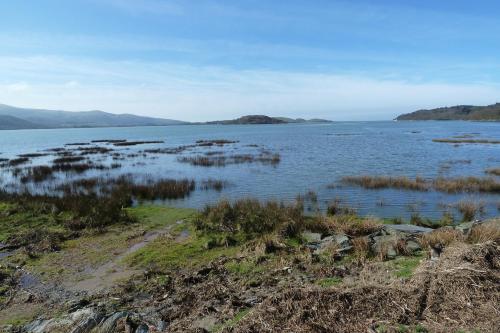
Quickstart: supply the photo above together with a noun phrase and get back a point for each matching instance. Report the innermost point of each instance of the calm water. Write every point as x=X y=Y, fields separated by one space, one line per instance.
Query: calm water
x=312 y=157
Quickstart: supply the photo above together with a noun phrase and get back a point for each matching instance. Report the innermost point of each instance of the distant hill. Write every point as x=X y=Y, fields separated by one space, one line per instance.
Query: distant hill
x=460 y=112
x=261 y=119
x=22 y=118
x=9 y=123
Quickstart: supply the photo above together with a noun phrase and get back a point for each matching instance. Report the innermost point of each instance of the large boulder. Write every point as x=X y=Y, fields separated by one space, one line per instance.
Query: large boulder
x=390 y=242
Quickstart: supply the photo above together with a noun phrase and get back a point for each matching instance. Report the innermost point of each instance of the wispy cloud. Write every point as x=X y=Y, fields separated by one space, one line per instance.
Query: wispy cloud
x=157 y=7
x=203 y=93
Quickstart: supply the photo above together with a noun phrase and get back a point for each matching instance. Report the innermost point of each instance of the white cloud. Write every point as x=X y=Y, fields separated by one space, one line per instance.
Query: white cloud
x=17 y=87
x=207 y=93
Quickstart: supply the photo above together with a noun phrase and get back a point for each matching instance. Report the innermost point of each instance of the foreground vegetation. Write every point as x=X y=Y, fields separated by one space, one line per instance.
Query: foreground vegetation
x=237 y=257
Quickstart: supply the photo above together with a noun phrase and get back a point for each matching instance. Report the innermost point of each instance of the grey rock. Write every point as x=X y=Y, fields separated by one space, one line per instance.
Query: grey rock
x=311 y=237
x=37 y=326
x=413 y=246
x=466 y=227
x=162 y=326
x=391 y=252
x=108 y=325
x=408 y=228
x=341 y=242
x=384 y=244
x=81 y=321
x=142 y=329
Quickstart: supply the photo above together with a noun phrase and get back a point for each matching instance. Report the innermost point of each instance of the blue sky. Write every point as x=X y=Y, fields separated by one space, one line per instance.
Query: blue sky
x=203 y=60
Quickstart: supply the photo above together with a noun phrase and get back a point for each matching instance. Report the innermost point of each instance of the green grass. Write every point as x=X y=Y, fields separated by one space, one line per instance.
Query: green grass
x=245 y=267
x=420 y=329
x=231 y=323
x=152 y=217
x=93 y=249
x=294 y=242
x=403 y=328
x=167 y=253
x=329 y=282
x=405 y=266
x=15 y=221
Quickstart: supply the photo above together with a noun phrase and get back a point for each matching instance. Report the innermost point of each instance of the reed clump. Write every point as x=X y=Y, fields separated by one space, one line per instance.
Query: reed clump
x=493 y=171
x=222 y=160
x=18 y=161
x=94 y=150
x=465 y=140
x=218 y=142
x=125 y=185
x=159 y=189
x=379 y=182
x=250 y=218
x=37 y=174
x=68 y=159
x=134 y=143
x=213 y=184
x=32 y=155
x=466 y=184
x=336 y=208
x=470 y=209
x=109 y=141
x=449 y=185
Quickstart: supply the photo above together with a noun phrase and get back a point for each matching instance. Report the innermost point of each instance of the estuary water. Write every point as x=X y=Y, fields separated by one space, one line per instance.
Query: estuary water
x=314 y=157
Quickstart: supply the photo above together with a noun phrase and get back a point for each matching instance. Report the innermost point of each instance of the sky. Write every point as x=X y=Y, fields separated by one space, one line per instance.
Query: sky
x=200 y=60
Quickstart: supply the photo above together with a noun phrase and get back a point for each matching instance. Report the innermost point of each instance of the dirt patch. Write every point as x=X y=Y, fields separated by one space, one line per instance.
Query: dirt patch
x=109 y=274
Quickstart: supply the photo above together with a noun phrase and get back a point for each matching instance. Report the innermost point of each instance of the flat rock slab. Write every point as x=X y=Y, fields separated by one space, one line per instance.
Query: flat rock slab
x=409 y=228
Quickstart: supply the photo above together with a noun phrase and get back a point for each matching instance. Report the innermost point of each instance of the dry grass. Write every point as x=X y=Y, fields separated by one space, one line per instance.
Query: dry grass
x=485 y=232
x=441 y=237
x=466 y=184
x=360 y=248
x=351 y=225
x=457 y=293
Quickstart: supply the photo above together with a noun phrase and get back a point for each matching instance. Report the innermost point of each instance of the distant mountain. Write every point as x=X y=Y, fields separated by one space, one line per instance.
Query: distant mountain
x=460 y=112
x=261 y=119
x=13 y=123
x=17 y=118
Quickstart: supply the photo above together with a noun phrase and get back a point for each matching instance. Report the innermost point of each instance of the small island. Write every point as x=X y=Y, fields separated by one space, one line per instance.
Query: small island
x=459 y=112
x=262 y=119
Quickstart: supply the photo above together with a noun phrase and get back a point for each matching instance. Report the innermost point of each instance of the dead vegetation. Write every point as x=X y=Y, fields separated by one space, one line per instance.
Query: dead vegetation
x=449 y=185
x=439 y=298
